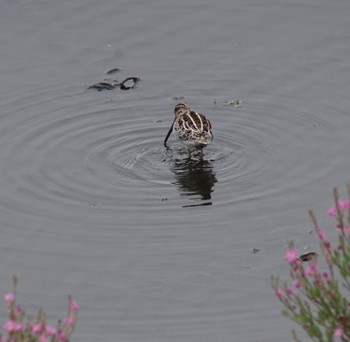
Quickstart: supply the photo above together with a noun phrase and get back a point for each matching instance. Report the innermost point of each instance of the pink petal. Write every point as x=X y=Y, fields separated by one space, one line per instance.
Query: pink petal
x=290 y=292
x=19 y=327
x=321 y=234
x=50 y=331
x=309 y=271
x=326 y=276
x=74 y=305
x=291 y=255
x=343 y=205
x=338 y=332
x=297 y=284
x=332 y=212
x=10 y=326
x=9 y=297
x=37 y=328
x=68 y=321
x=279 y=293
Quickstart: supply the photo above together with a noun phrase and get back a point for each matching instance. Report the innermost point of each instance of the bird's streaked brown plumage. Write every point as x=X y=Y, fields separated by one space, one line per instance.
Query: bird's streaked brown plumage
x=192 y=128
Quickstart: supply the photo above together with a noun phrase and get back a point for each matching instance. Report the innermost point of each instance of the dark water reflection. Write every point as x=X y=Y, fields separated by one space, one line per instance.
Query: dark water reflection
x=194 y=177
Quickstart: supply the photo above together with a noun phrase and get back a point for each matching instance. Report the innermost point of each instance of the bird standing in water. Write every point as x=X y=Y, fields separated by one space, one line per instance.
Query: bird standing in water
x=192 y=128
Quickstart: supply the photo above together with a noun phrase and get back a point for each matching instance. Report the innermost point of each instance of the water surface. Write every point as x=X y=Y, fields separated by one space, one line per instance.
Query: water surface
x=157 y=246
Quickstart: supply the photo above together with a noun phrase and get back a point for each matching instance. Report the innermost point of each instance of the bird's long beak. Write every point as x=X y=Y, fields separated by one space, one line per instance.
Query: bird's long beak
x=167 y=136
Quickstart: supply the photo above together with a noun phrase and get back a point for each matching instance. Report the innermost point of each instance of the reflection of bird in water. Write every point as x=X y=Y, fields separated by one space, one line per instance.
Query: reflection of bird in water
x=192 y=128
x=195 y=177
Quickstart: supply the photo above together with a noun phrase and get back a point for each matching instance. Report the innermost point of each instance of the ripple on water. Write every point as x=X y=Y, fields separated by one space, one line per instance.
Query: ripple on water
x=110 y=156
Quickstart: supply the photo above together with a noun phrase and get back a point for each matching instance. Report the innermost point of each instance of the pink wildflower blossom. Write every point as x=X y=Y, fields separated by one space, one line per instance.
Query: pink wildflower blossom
x=326 y=276
x=309 y=271
x=327 y=244
x=279 y=293
x=291 y=255
x=37 y=328
x=332 y=212
x=62 y=337
x=297 y=284
x=290 y=292
x=19 y=327
x=338 y=333
x=9 y=298
x=344 y=204
x=68 y=321
x=74 y=305
x=10 y=326
x=50 y=331
x=43 y=338
x=321 y=234
x=314 y=267
x=341 y=204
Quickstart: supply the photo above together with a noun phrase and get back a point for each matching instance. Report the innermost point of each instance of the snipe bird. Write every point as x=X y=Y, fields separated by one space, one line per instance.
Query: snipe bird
x=191 y=128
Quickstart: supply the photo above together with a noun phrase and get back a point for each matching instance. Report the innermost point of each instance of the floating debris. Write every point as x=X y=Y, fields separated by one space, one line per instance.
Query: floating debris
x=177 y=98
x=112 y=71
x=255 y=250
x=93 y=204
x=134 y=81
x=236 y=103
x=109 y=84
x=104 y=85
x=310 y=256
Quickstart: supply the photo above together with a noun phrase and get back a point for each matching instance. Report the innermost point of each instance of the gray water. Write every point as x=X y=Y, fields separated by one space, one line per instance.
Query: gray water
x=153 y=245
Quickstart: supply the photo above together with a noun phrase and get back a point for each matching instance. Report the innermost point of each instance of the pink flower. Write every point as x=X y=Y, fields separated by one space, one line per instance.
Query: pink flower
x=344 y=204
x=279 y=293
x=50 y=331
x=37 y=328
x=74 y=305
x=321 y=234
x=68 y=321
x=338 y=332
x=9 y=297
x=19 y=327
x=10 y=326
x=309 y=271
x=290 y=292
x=326 y=276
x=62 y=337
x=291 y=255
x=328 y=245
x=332 y=212
x=43 y=338
x=297 y=284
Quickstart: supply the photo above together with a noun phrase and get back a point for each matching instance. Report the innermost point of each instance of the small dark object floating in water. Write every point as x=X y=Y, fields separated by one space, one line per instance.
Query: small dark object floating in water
x=112 y=71
x=310 y=256
x=104 y=85
x=112 y=84
x=134 y=80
